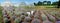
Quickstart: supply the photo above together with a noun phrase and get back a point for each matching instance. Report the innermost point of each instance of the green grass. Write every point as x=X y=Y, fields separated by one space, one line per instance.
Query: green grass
x=0 y=17
x=0 y=14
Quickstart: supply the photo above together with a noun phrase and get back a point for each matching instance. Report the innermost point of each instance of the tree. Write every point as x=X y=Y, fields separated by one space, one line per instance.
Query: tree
x=54 y=3
x=44 y=2
x=58 y=4
x=39 y=3
x=35 y=4
x=48 y=2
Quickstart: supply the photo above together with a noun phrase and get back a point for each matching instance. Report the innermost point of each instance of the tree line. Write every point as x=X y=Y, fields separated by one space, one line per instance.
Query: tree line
x=39 y=3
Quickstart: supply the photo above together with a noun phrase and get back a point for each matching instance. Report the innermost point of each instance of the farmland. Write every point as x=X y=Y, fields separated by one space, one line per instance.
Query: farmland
x=43 y=10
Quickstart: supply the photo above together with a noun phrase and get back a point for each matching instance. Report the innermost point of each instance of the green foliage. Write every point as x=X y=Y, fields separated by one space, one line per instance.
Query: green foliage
x=39 y=3
x=55 y=3
x=48 y=2
x=42 y=3
x=35 y=4
x=0 y=14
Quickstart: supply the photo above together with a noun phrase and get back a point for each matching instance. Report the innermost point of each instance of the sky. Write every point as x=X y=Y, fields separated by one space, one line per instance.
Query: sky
x=27 y=1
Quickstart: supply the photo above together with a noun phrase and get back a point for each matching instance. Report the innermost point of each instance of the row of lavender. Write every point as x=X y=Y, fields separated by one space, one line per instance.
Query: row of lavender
x=38 y=16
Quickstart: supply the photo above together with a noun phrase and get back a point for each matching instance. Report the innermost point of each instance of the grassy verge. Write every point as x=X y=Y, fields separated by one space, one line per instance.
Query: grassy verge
x=0 y=15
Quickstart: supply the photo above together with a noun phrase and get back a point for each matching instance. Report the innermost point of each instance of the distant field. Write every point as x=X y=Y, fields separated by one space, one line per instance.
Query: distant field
x=44 y=7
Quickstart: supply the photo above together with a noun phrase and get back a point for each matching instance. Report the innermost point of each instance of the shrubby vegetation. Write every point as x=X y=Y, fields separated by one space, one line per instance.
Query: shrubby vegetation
x=48 y=3
x=45 y=3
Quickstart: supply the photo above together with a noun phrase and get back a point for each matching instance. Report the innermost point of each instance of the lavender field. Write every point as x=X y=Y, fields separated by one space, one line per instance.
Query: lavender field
x=26 y=11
